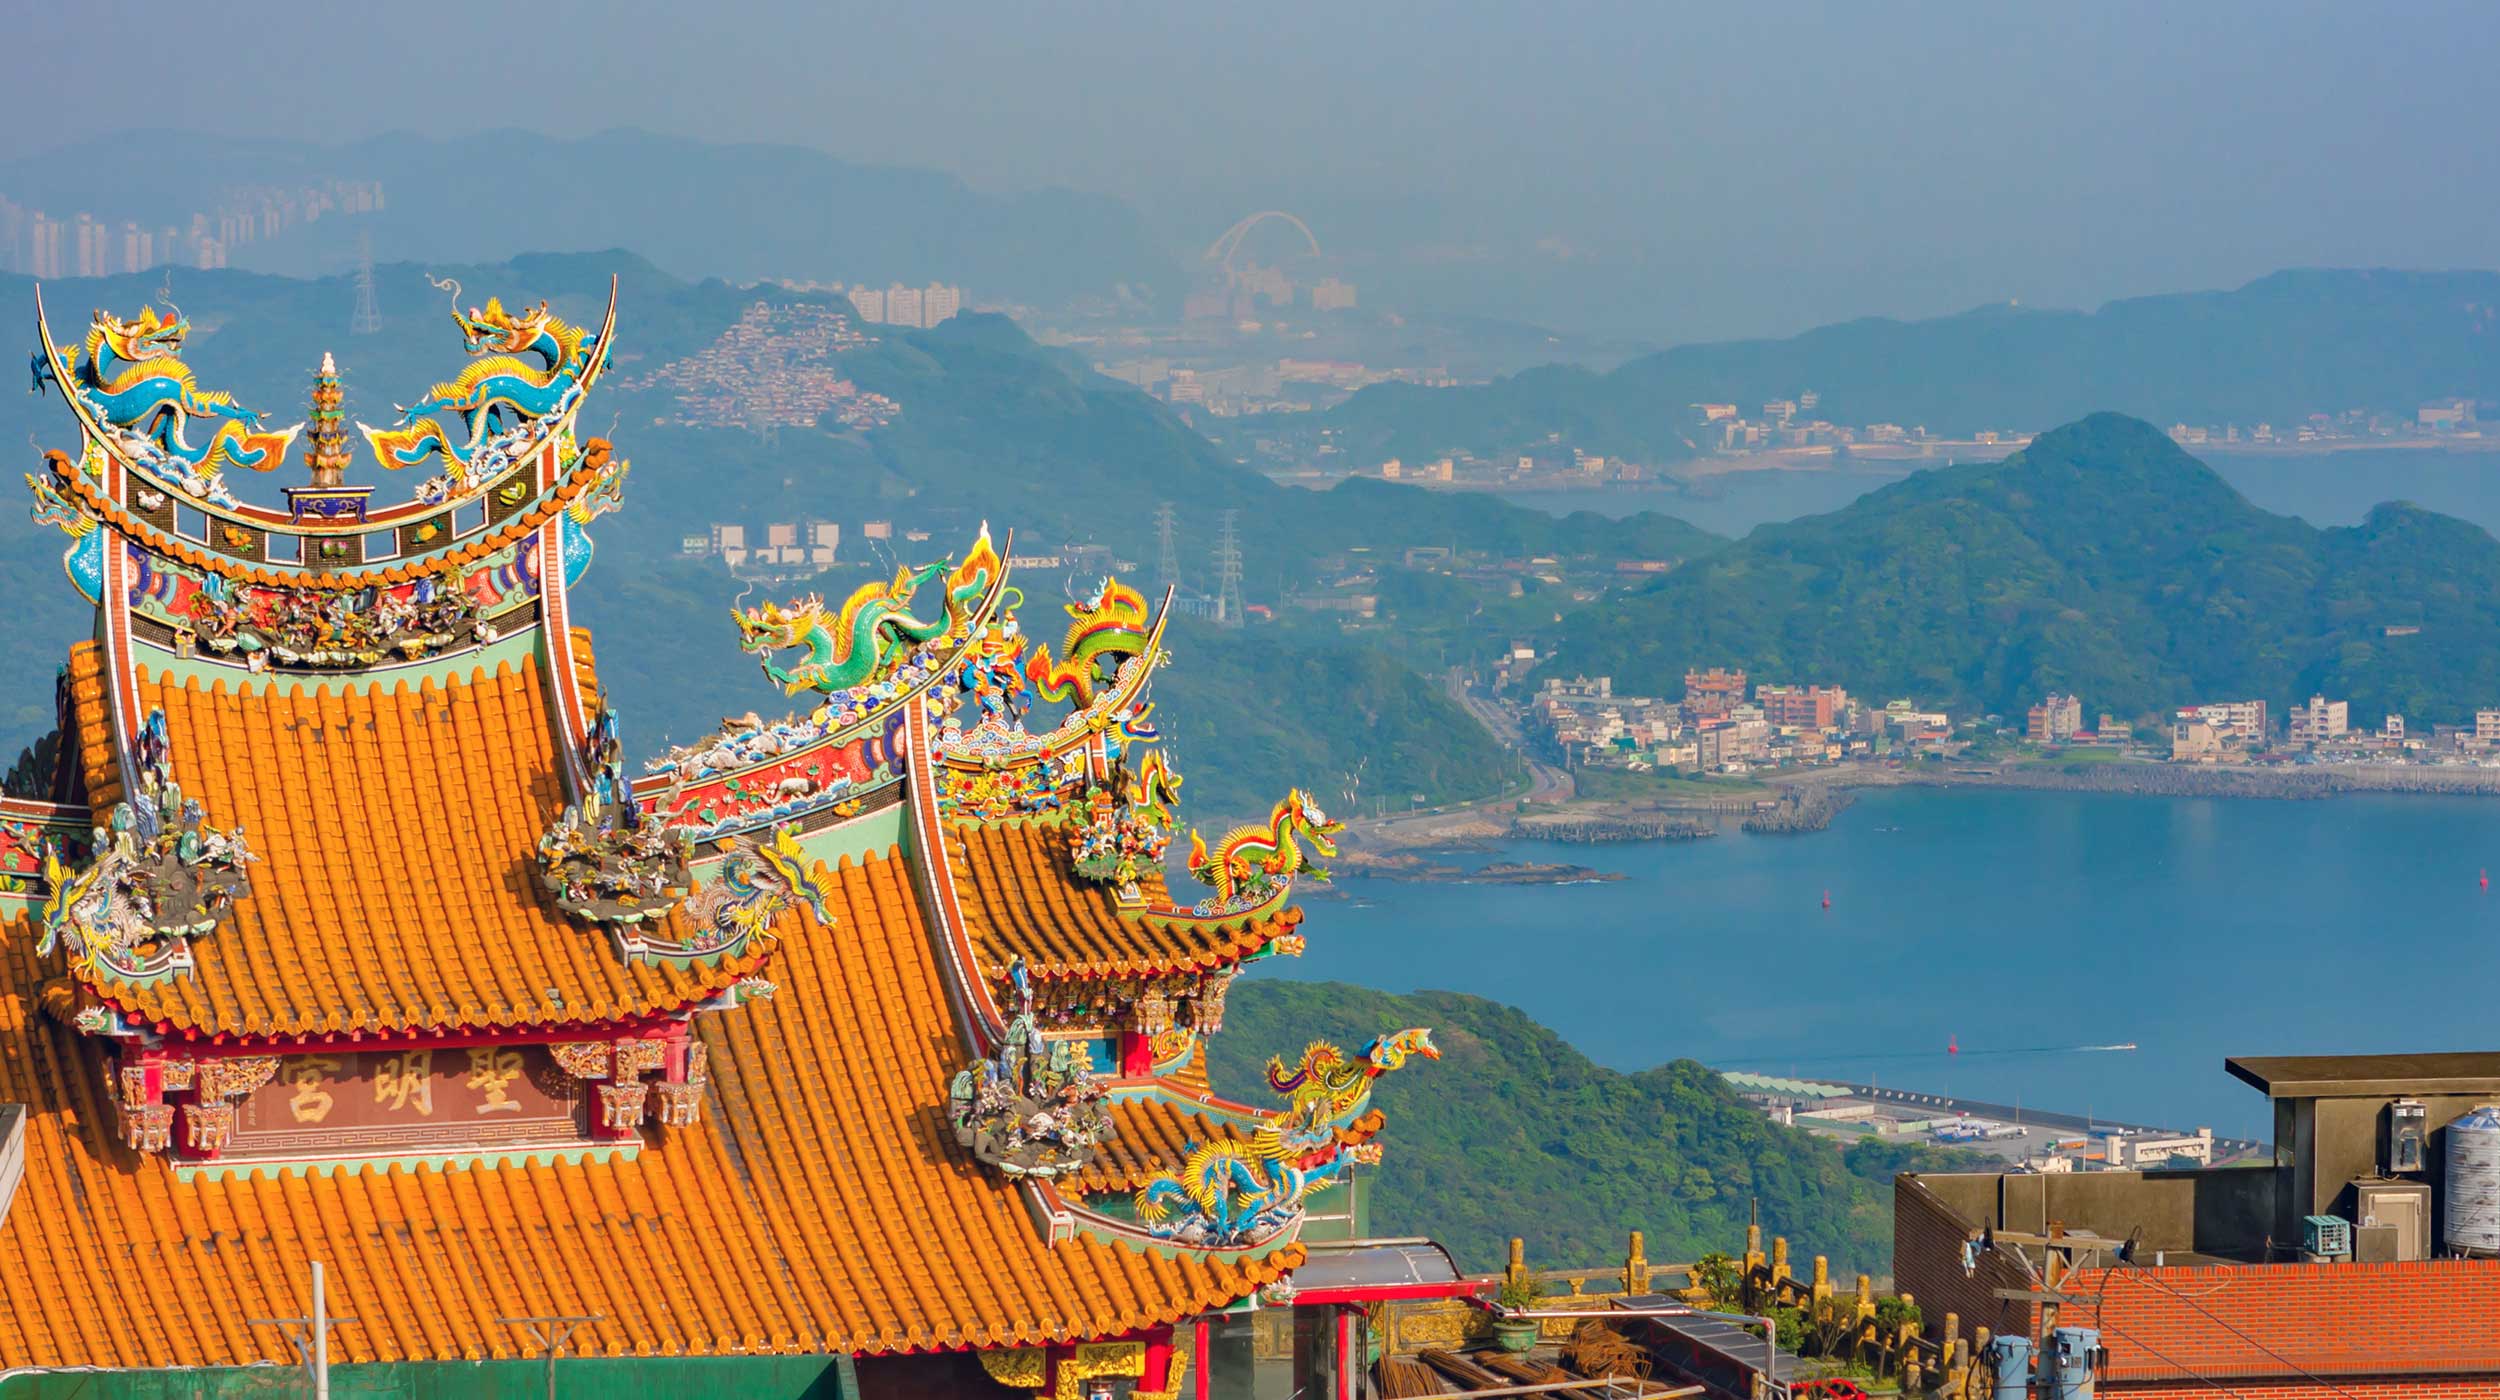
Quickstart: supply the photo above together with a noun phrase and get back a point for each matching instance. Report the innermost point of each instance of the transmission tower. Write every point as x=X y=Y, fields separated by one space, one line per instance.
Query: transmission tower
x=368 y=317
x=1228 y=608
x=1168 y=568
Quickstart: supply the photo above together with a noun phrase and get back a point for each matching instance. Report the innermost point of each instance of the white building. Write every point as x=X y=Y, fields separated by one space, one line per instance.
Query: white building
x=2320 y=721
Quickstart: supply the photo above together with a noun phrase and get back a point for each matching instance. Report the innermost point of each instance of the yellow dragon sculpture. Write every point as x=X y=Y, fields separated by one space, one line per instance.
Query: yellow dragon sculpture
x=1255 y=859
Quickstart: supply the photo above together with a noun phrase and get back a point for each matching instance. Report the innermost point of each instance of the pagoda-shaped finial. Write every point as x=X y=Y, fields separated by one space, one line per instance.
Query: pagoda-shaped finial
x=325 y=452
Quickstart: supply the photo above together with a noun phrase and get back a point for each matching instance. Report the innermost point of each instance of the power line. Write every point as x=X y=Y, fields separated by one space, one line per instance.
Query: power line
x=1228 y=605
x=1168 y=567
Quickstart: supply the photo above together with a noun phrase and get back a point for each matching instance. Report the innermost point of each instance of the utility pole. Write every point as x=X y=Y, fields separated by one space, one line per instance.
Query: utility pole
x=311 y=1335
x=1168 y=567
x=368 y=317
x=551 y=1333
x=1228 y=604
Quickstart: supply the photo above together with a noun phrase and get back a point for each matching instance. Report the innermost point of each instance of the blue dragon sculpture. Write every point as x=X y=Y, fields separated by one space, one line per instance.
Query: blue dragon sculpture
x=501 y=391
x=1233 y=1192
x=131 y=375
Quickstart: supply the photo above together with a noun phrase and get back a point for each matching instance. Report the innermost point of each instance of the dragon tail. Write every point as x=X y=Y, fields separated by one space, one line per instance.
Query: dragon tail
x=410 y=446
x=237 y=446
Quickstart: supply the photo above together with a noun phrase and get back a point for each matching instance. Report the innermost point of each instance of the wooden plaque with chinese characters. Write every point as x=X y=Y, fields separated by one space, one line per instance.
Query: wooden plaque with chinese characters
x=352 y=1104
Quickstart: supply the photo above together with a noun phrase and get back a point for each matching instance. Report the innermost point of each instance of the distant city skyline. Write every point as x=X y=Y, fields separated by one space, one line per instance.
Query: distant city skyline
x=1671 y=173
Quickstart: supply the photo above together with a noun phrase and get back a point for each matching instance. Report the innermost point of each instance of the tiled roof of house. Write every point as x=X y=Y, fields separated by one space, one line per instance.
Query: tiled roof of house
x=820 y=1205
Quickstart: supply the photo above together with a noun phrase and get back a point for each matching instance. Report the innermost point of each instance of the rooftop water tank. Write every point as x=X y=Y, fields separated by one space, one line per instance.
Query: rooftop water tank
x=2473 y=1187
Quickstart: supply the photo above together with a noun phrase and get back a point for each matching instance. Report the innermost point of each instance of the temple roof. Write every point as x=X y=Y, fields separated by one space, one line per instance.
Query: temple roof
x=820 y=1206
x=1023 y=898
x=396 y=884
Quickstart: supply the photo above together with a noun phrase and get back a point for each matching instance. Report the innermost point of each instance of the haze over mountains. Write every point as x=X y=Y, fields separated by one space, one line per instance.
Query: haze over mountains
x=699 y=209
x=2274 y=351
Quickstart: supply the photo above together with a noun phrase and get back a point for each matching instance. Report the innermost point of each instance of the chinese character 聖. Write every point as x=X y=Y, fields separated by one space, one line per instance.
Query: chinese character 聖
x=493 y=1070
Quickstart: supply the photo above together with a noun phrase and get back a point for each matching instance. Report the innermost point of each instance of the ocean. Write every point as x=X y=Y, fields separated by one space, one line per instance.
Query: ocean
x=2020 y=926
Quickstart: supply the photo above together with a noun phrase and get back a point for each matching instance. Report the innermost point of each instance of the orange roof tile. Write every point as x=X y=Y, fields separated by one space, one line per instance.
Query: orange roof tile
x=819 y=1206
x=397 y=883
x=1022 y=898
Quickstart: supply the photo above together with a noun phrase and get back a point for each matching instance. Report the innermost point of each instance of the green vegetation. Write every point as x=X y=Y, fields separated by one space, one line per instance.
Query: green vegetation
x=993 y=428
x=2276 y=350
x=2102 y=561
x=1513 y=1132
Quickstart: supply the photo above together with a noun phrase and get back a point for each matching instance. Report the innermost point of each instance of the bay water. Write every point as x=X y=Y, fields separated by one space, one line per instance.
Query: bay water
x=2018 y=926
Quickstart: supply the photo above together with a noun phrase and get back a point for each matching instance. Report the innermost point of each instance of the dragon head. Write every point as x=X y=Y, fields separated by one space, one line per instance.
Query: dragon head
x=773 y=627
x=1314 y=824
x=147 y=338
x=1388 y=1052
x=495 y=331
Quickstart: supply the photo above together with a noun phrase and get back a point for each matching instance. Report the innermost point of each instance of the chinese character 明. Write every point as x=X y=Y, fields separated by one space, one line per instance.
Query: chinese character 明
x=308 y=1073
x=404 y=1079
x=493 y=1070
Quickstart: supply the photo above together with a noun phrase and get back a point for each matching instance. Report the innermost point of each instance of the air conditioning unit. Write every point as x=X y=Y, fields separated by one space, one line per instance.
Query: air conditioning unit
x=2403 y=1207
x=2325 y=1237
x=2407 y=1130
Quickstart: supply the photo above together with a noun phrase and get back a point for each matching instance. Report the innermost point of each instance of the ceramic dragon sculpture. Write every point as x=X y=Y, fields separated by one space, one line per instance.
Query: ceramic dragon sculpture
x=1253 y=860
x=501 y=390
x=159 y=876
x=862 y=642
x=754 y=887
x=130 y=373
x=1231 y=1192
x=1338 y=1088
x=1106 y=629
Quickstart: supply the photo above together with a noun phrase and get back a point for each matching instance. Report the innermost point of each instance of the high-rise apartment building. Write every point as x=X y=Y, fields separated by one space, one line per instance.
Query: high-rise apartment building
x=903 y=306
x=940 y=302
x=869 y=303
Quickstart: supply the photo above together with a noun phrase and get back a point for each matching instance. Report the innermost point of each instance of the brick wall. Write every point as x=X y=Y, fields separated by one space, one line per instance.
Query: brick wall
x=2433 y=1318
x=1927 y=1238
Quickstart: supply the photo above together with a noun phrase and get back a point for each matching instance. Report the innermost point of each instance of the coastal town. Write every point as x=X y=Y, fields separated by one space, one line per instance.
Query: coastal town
x=1721 y=727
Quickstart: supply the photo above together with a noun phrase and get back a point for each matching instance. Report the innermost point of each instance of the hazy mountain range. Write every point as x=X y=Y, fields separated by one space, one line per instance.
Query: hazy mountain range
x=2274 y=351
x=699 y=209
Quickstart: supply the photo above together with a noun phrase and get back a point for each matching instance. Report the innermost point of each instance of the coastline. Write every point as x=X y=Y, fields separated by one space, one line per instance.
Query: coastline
x=1805 y=801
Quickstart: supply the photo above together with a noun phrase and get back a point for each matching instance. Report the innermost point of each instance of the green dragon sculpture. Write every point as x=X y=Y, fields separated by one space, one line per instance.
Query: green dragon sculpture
x=1255 y=859
x=1340 y=1087
x=874 y=631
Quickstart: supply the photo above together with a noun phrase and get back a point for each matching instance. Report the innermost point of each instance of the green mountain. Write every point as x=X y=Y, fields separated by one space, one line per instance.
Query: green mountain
x=2101 y=561
x=2276 y=350
x=1513 y=1132
x=993 y=427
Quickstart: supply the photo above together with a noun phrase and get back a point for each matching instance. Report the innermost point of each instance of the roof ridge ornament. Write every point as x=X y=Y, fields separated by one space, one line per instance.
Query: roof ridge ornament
x=156 y=877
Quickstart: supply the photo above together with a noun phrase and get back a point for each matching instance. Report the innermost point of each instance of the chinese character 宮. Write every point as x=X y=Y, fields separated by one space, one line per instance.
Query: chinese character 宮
x=308 y=1073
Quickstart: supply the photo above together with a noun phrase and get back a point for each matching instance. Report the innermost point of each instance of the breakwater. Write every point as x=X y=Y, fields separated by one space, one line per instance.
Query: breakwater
x=1603 y=831
x=2293 y=784
x=1798 y=812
